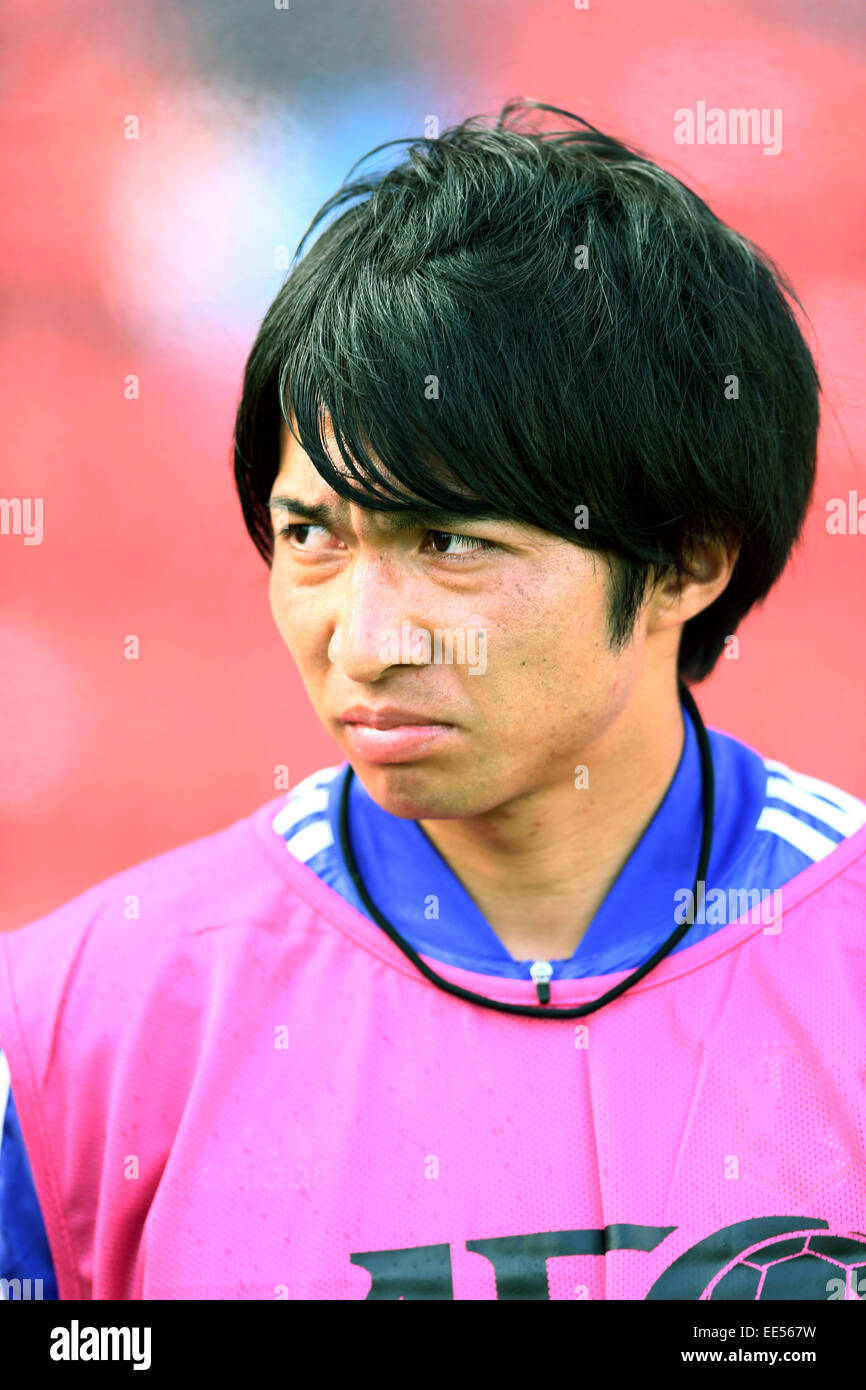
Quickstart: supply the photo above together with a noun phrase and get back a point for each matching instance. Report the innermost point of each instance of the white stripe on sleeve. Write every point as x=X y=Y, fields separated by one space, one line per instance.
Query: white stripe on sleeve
x=310 y=803
x=844 y=800
x=803 y=837
x=311 y=840
x=843 y=822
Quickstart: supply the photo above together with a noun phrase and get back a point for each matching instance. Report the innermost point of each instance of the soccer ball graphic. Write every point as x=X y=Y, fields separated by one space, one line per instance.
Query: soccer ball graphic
x=808 y=1265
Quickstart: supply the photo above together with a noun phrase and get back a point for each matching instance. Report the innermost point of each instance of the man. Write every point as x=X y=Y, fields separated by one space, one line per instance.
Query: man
x=543 y=991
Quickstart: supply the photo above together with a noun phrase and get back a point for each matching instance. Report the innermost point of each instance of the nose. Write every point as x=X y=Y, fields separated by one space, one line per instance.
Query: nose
x=372 y=609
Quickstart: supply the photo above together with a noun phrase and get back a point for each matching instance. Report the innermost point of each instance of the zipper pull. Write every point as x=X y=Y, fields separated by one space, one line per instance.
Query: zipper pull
x=542 y=973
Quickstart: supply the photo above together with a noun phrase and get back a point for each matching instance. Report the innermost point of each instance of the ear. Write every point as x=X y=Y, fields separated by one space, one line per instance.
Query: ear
x=675 y=599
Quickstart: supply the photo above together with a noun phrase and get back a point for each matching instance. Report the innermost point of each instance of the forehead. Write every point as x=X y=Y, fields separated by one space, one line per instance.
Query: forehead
x=296 y=467
x=298 y=478
x=298 y=475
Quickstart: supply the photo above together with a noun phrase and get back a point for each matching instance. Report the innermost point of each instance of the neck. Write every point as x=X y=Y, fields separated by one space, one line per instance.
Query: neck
x=540 y=865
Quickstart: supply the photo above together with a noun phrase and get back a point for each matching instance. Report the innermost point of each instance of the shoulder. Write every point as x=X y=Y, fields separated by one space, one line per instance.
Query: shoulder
x=155 y=922
x=780 y=803
x=811 y=814
x=218 y=877
x=780 y=829
x=803 y=835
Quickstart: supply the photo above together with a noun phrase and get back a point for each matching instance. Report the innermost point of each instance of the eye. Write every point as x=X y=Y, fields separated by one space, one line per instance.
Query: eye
x=471 y=545
x=297 y=533
x=290 y=532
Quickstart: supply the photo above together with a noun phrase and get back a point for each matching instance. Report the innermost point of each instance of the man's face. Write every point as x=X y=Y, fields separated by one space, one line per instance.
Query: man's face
x=521 y=676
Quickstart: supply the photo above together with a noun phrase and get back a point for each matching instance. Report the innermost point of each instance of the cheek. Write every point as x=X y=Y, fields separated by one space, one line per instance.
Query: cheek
x=556 y=632
x=281 y=609
x=295 y=616
x=556 y=665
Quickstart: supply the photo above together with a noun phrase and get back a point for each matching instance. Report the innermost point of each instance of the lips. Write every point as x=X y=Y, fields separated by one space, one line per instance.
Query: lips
x=392 y=735
x=401 y=743
x=389 y=718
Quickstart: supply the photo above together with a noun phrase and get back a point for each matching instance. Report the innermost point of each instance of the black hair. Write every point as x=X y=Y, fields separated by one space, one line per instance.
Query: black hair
x=451 y=333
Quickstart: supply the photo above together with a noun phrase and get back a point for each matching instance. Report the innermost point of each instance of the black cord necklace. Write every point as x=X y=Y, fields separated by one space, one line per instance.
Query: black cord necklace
x=541 y=1010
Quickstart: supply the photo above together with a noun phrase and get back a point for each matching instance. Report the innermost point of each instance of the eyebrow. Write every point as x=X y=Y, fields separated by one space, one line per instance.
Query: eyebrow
x=320 y=514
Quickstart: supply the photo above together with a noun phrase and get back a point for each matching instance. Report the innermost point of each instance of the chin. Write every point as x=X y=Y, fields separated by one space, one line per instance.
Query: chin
x=415 y=792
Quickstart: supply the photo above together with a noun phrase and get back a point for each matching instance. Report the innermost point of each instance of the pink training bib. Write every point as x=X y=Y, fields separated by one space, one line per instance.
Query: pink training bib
x=233 y=1085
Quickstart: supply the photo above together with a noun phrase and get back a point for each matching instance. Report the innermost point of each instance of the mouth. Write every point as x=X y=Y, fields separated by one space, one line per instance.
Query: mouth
x=390 y=741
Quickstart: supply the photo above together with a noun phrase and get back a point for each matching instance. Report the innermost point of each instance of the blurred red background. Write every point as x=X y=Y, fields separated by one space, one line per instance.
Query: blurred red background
x=157 y=257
